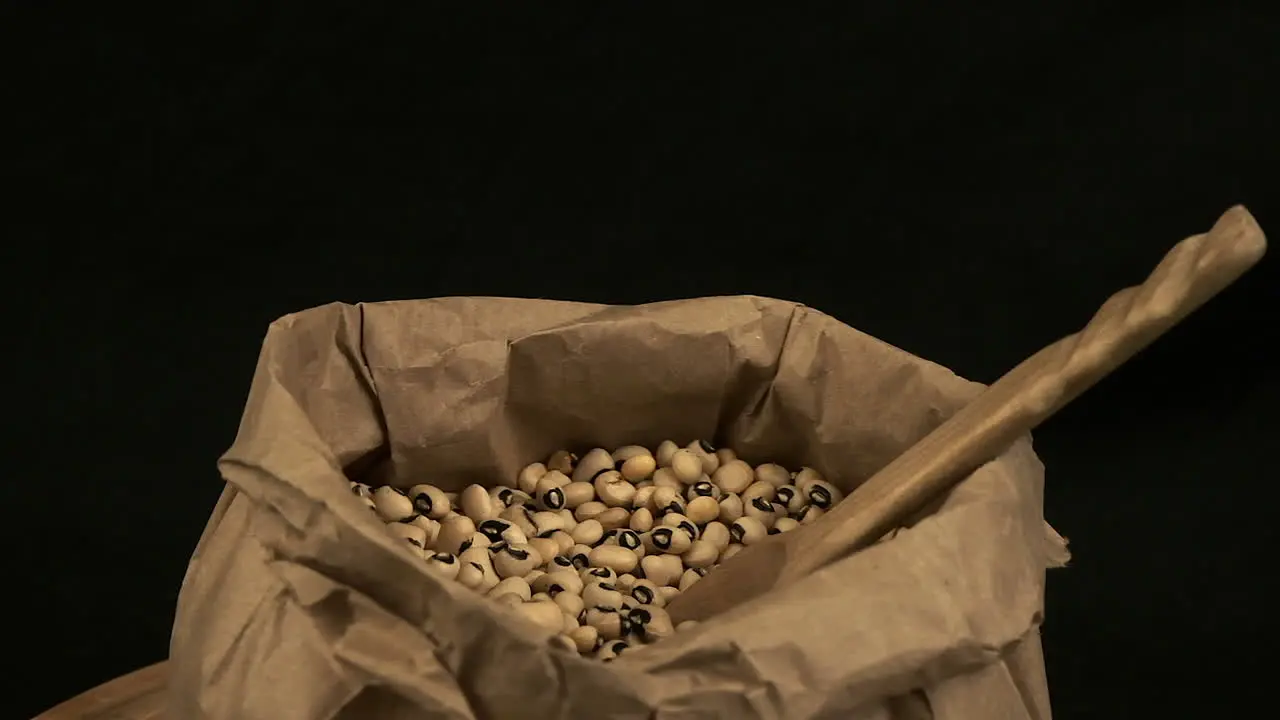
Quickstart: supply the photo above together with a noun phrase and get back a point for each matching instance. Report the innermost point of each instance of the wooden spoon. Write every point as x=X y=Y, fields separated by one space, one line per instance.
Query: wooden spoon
x=1195 y=270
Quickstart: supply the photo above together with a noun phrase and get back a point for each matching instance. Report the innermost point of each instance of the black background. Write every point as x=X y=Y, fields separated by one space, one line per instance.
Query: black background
x=966 y=184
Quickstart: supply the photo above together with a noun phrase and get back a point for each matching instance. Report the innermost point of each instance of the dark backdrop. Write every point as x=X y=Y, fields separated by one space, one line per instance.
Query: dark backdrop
x=968 y=185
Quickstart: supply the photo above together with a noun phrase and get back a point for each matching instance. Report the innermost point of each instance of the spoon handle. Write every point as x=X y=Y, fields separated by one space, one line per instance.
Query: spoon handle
x=1191 y=273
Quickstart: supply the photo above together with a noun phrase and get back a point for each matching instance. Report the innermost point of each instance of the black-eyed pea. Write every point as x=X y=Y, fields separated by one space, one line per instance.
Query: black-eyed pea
x=666 y=539
x=588 y=532
x=361 y=490
x=668 y=592
x=644 y=493
x=575 y=494
x=510 y=599
x=626 y=452
x=662 y=570
x=701 y=554
x=790 y=497
x=560 y=562
x=706 y=453
x=444 y=564
x=598 y=574
x=601 y=595
x=646 y=592
x=716 y=533
x=734 y=477
x=614 y=557
x=667 y=500
x=563 y=540
x=480 y=557
x=546 y=522
x=505 y=496
x=502 y=531
x=726 y=455
x=528 y=478
x=454 y=533
x=730 y=550
x=772 y=473
x=564 y=642
x=683 y=522
x=810 y=515
x=805 y=477
x=544 y=614
x=730 y=508
x=580 y=557
x=641 y=520
x=477 y=540
x=638 y=467
x=703 y=488
x=430 y=528
x=544 y=546
x=471 y=575
x=514 y=561
x=558 y=581
x=392 y=504
x=702 y=510
x=570 y=623
x=610 y=650
x=533 y=576
x=822 y=494
x=414 y=536
x=784 y=524
x=614 y=518
x=664 y=452
x=690 y=576
x=614 y=490
x=550 y=495
x=596 y=461
x=562 y=460
x=760 y=490
x=654 y=622
x=665 y=478
x=515 y=585
x=520 y=516
x=540 y=597
x=590 y=509
x=764 y=511
x=585 y=638
x=628 y=604
x=629 y=539
x=686 y=466
x=430 y=501
x=368 y=502
x=540 y=585
x=570 y=602
x=570 y=522
x=607 y=622
x=748 y=531
x=476 y=504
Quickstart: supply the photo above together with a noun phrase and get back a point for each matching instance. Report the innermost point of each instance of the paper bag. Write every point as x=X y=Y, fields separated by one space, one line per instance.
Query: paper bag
x=298 y=605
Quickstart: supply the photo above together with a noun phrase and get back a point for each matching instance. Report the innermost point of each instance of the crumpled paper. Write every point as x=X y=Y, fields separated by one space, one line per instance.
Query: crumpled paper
x=298 y=605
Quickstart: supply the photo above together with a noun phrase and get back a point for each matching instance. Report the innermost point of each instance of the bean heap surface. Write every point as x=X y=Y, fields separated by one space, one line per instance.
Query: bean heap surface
x=594 y=547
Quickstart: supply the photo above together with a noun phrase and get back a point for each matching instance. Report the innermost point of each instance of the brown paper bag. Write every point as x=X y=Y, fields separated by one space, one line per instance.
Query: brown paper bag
x=299 y=606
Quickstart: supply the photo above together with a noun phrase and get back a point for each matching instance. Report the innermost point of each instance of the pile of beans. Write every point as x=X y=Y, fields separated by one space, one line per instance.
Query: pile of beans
x=595 y=547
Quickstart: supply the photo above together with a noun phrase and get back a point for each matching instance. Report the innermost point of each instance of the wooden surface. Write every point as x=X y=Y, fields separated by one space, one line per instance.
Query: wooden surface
x=136 y=696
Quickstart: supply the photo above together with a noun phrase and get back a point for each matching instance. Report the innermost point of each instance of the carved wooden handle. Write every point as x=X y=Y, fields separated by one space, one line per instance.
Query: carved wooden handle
x=1194 y=271
x=1191 y=273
